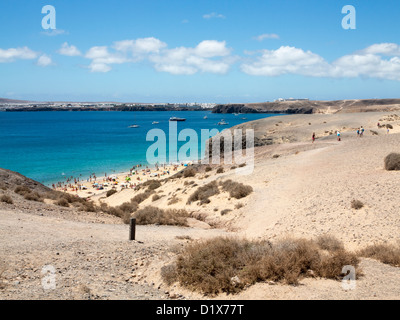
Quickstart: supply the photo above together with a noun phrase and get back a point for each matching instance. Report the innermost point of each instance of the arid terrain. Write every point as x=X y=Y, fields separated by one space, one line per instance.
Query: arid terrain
x=299 y=189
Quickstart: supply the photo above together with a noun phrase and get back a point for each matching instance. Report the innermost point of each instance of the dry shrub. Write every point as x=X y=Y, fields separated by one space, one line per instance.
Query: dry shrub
x=275 y=156
x=88 y=206
x=139 y=198
x=6 y=199
x=155 y=197
x=208 y=169
x=233 y=167
x=33 y=196
x=153 y=184
x=228 y=265
x=225 y=211
x=62 y=202
x=392 y=162
x=239 y=205
x=153 y=215
x=203 y=193
x=357 y=204
x=3 y=186
x=236 y=190
x=389 y=126
x=150 y=184
x=189 y=172
x=220 y=170
x=331 y=266
x=174 y=200
x=374 y=133
x=129 y=207
x=111 y=192
x=242 y=165
x=188 y=183
x=22 y=190
x=329 y=243
x=385 y=253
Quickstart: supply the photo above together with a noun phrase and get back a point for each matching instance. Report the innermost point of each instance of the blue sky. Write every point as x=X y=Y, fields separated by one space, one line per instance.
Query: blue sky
x=199 y=51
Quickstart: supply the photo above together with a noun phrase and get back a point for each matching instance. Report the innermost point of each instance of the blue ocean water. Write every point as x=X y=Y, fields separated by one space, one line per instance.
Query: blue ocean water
x=49 y=146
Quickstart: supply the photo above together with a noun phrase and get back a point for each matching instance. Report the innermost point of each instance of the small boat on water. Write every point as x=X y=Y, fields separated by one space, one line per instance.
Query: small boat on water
x=205 y=117
x=223 y=123
x=155 y=122
x=134 y=126
x=176 y=119
x=244 y=118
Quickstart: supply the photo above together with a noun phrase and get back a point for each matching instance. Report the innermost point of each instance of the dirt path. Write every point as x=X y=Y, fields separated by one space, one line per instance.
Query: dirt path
x=91 y=260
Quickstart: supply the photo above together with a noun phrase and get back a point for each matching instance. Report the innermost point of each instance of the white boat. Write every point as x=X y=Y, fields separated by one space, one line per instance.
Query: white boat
x=155 y=122
x=205 y=117
x=134 y=126
x=222 y=123
x=177 y=119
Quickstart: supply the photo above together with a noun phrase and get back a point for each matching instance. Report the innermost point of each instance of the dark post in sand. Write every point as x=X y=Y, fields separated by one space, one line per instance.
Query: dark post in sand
x=132 y=229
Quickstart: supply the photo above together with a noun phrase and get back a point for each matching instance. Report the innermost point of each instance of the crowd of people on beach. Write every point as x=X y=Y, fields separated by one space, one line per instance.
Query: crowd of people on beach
x=137 y=174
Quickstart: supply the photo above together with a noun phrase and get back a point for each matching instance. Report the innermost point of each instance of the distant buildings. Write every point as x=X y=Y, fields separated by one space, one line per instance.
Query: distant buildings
x=291 y=99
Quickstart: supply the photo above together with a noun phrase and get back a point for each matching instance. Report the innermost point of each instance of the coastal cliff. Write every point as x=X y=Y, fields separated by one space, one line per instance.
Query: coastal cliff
x=311 y=107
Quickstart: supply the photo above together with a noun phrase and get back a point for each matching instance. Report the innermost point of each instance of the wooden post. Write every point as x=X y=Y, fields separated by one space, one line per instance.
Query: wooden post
x=132 y=229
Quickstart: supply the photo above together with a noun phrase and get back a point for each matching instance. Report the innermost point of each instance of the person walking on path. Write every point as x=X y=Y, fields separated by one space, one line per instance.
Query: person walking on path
x=338 y=136
x=313 y=137
x=362 y=132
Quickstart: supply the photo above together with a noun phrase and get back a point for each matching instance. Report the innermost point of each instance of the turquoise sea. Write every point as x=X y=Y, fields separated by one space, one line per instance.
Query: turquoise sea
x=50 y=146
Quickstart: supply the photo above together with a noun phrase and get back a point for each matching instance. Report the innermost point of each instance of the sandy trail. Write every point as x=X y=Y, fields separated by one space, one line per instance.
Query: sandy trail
x=92 y=260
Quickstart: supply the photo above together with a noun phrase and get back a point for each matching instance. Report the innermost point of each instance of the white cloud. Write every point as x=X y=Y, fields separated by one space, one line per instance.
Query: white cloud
x=140 y=46
x=69 y=50
x=12 y=54
x=44 y=61
x=367 y=63
x=286 y=60
x=264 y=36
x=208 y=56
x=101 y=59
x=213 y=15
x=387 y=49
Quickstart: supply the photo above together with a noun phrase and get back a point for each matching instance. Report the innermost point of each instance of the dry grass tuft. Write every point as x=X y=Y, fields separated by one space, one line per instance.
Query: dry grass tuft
x=392 y=162
x=329 y=242
x=139 y=198
x=22 y=190
x=385 y=253
x=6 y=199
x=174 y=200
x=203 y=193
x=62 y=202
x=225 y=211
x=228 y=265
x=208 y=169
x=236 y=190
x=220 y=170
x=153 y=215
x=111 y=192
x=189 y=172
x=357 y=204
x=33 y=196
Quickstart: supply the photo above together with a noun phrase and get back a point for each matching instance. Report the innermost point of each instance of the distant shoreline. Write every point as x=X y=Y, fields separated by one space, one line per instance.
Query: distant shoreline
x=289 y=106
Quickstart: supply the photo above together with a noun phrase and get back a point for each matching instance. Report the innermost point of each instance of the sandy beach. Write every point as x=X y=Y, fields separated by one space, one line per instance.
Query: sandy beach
x=300 y=188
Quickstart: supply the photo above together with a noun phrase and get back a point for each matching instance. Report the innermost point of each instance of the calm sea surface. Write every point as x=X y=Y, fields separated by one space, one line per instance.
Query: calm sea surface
x=49 y=146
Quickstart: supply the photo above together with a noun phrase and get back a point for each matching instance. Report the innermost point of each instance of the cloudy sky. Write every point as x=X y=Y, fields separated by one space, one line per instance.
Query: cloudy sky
x=199 y=51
